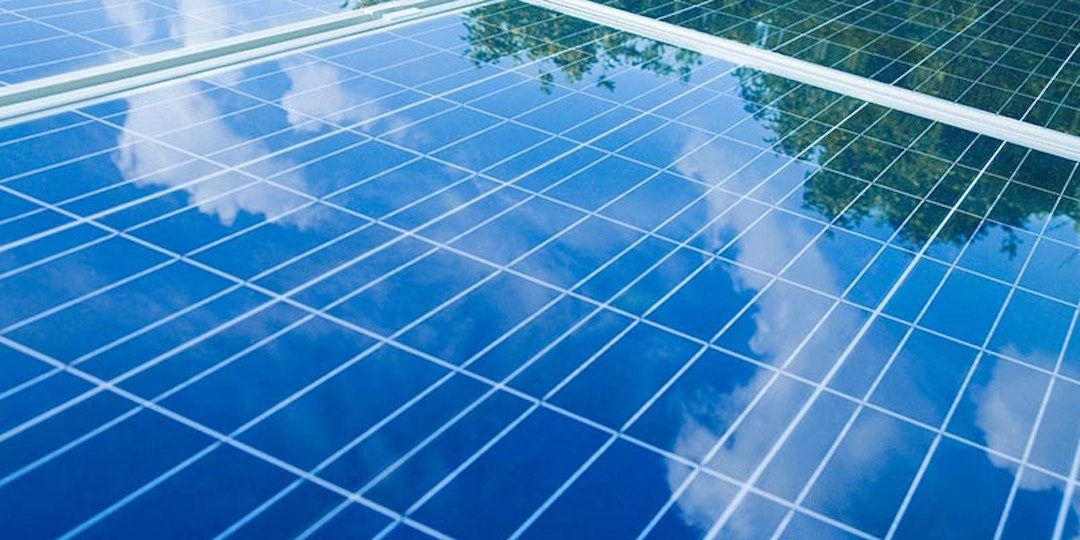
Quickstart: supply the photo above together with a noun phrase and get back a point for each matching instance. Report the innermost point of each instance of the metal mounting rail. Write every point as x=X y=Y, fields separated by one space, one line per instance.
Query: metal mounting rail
x=35 y=98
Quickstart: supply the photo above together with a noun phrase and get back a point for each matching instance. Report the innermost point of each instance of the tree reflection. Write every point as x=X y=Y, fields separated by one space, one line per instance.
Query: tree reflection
x=906 y=157
x=578 y=49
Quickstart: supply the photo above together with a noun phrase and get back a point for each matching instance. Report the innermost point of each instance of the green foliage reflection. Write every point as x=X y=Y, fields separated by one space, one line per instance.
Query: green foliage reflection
x=907 y=158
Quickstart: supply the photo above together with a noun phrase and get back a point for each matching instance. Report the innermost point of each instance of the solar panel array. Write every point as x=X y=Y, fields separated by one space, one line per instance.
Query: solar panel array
x=508 y=273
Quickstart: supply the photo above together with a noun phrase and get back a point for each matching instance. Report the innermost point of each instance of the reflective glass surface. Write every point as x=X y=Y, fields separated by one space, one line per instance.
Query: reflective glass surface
x=1017 y=58
x=507 y=273
x=39 y=38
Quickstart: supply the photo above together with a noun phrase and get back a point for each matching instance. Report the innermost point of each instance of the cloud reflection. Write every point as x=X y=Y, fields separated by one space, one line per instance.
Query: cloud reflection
x=1003 y=413
x=313 y=91
x=212 y=196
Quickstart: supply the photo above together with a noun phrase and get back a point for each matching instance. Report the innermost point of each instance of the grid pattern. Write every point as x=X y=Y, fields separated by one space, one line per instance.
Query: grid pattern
x=1014 y=58
x=42 y=38
x=412 y=284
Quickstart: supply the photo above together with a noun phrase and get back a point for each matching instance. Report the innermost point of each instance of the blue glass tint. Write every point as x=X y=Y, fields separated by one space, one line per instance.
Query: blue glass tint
x=508 y=272
x=924 y=377
x=701 y=406
x=110 y=466
x=646 y=475
x=980 y=495
x=892 y=449
x=623 y=377
x=564 y=444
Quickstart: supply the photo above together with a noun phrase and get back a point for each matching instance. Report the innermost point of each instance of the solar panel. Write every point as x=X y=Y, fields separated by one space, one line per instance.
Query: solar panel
x=509 y=273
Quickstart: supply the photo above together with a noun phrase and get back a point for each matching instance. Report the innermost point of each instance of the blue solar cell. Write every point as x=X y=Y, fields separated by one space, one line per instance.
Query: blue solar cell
x=999 y=407
x=220 y=487
x=1056 y=439
x=984 y=254
x=270 y=372
x=590 y=336
x=884 y=444
x=1031 y=329
x=106 y=468
x=452 y=214
x=794 y=233
x=803 y=526
x=973 y=484
x=54 y=433
x=580 y=252
x=708 y=396
x=175 y=288
x=357 y=271
x=276 y=243
x=924 y=377
x=659 y=280
x=626 y=375
x=517 y=231
x=18 y=368
x=643 y=474
x=627 y=268
x=696 y=508
x=655 y=201
x=408 y=480
x=546 y=446
x=703 y=305
x=817 y=357
x=879 y=277
x=800 y=456
x=167 y=337
x=781 y=306
x=231 y=338
x=1032 y=512
x=981 y=299
x=299 y=506
x=916 y=289
x=1070 y=360
x=366 y=456
x=29 y=403
x=1055 y=271
x=754 y=512
x=816 y=269
x=467 y=327
x=351 y=392
x=745 y=449
x=358 y=520
x=417 y=289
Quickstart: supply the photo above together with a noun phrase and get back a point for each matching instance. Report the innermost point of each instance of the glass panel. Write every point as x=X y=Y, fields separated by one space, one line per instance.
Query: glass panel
x=508 y=262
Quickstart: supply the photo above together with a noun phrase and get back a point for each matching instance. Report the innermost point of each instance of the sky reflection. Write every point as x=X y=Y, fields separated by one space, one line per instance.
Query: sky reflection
x=467 y=298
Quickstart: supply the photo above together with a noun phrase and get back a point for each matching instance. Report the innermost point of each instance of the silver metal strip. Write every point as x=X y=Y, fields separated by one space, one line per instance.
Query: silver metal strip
x=916 y=103
x=31 y=99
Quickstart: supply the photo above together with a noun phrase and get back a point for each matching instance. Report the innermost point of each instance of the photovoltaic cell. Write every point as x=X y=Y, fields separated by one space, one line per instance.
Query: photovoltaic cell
x=510 y=273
